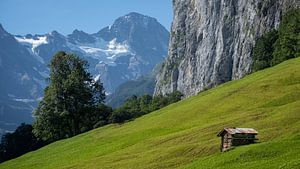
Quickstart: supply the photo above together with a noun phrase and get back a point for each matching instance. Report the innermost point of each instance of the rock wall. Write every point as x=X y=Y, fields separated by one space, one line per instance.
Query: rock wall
x=211 y=41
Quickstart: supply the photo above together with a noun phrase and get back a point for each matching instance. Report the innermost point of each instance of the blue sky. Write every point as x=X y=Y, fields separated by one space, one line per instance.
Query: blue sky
x=43 y=16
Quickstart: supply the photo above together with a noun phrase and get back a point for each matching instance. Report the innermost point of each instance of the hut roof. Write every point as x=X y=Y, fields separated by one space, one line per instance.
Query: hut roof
x=238 y=131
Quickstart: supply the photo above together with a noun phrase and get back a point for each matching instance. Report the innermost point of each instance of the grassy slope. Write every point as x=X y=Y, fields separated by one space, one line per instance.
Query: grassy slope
x=184 y=134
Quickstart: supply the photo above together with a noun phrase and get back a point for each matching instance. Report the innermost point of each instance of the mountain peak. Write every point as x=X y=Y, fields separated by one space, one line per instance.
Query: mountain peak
x=135 y=14
x=78 y=32
x=2 y=30
x=126 y=27
x=80 y=36
x=1 y=27
x=136 y=17
x=55 y=33
x=55 y=36
x=28 y=36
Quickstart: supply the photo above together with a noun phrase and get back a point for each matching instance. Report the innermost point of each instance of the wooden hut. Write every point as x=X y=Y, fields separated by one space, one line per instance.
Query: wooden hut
x=231 y=137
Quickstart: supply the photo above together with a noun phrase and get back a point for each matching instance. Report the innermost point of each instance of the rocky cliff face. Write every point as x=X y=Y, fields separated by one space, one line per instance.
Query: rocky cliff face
x=211 y=41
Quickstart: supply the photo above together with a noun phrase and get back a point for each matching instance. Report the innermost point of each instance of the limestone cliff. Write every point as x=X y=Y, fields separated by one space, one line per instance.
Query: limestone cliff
x=211 y=41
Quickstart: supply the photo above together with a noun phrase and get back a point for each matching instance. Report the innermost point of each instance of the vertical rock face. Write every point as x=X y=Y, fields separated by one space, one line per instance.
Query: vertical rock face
x=211 y=41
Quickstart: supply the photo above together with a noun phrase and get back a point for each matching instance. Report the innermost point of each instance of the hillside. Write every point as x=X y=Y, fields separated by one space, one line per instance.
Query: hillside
x=183 y=135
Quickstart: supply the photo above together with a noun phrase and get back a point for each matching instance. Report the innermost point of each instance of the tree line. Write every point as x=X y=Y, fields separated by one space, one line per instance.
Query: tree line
x=73 y=103
x=279 y=45
x=137 y=106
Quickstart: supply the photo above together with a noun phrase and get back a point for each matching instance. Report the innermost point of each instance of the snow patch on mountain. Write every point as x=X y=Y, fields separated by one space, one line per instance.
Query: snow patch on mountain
x=97 y=78
x=115 y=47
x=33 y=42
x=102 y=50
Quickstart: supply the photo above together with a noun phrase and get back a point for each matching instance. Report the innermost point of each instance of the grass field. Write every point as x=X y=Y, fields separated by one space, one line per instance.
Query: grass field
x=183 y=135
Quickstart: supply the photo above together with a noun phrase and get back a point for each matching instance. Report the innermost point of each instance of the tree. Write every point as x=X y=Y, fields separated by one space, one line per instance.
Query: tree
x=69 y=106
x=103 y=113
x=288 y=44
x=145 y=104
x=174 y=97
x=121 y=115
x=19 y=142
x=159 y=102
x=263 y=50
x=129 y=110
x=132 y=105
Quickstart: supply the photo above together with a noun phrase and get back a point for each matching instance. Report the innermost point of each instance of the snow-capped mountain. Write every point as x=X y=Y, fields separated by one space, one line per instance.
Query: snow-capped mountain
x=131 y=47
x=126 y=50
x=22 y=79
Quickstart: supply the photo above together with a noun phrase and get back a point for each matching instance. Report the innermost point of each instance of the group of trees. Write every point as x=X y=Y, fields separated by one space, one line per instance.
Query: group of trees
x=19 y=142
x=279 y=45
x=138 y=106
x=73 y=103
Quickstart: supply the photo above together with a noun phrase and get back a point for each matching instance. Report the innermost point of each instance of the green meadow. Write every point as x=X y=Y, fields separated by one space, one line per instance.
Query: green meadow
x=184 y=135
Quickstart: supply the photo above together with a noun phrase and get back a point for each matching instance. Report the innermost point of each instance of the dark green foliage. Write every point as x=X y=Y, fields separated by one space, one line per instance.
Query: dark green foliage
x=137 y=106
x=103 y=113
x=69 y=106
x=288 y=44
x=129 y=110
x=19 y=142
x=161 y=101
x=278 y=46
x=263 y=50
x=120 y=115
x=145 y=103
x=174 y=97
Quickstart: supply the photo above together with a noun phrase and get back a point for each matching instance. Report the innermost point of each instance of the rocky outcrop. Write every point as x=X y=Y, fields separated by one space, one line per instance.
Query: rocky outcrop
x=211 y=41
